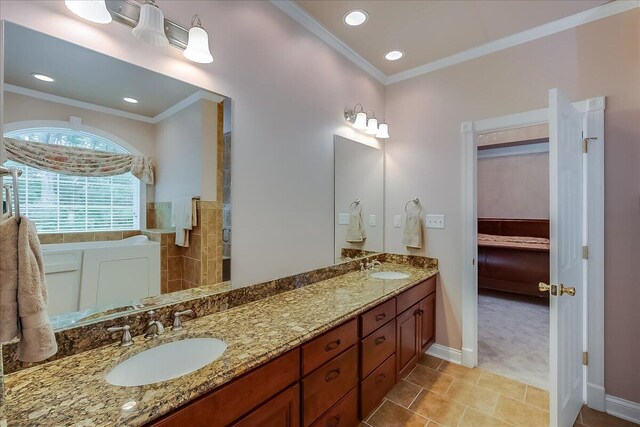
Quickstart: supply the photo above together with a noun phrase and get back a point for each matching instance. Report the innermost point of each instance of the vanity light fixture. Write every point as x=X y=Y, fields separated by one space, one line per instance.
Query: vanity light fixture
x=43 y=77
x=91 y=10
x=130 y=100
x=394 y=55
x=356 y=17
x=150 y=28
x=361 y=121
x=198 y=46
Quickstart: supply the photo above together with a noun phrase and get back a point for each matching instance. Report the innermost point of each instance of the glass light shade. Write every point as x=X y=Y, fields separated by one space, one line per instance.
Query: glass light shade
x=91 y=10
x=198 y=46
x=361 y=121
x=372 y=127
x=383 y=131
x=150 y=28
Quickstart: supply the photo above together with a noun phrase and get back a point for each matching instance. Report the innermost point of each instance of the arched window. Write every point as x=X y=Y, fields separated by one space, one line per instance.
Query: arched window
x=59 y=203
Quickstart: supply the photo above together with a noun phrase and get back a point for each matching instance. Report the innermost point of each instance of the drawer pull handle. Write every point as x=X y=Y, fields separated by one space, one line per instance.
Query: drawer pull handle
x=332 y=375
x=333 y=421
x=380 y=378
x=332 y=345
x=380 y=340
x=380 y=316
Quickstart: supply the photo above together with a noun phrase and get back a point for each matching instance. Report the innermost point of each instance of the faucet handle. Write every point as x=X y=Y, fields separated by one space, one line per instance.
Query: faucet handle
x=177 y=323
x=126 y=340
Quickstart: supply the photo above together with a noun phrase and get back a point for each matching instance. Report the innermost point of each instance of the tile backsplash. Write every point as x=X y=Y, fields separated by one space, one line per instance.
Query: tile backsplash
x=92 y=236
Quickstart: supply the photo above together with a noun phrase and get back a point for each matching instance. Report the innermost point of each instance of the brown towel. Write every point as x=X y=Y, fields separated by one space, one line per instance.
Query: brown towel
x=8 y=279
x=37 y=341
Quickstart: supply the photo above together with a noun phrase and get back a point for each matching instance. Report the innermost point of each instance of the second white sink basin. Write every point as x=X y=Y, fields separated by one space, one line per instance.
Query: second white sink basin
x=389 y=275
x=166 y=362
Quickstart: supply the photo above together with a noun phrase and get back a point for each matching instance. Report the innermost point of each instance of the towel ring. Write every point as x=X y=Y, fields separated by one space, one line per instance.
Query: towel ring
x=355 y=202
x=416 y=202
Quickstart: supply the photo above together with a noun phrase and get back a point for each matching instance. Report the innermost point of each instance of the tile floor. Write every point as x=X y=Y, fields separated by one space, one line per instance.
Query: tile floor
x=439 y=393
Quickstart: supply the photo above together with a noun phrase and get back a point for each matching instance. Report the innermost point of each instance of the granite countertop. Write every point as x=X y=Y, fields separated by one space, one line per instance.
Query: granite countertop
x=72 y=390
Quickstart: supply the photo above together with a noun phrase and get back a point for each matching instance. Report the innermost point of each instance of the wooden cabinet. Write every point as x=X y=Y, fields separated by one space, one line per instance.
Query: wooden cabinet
x=281 y=411
x=343 y=414
x=427 y=310
x=377 y=385
x=329 y=345
x=407 y=349
x=377 y=347
x=377 y=316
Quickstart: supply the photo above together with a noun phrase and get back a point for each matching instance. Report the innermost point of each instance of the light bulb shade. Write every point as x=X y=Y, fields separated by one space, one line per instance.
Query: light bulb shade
x=372 y=127
x=361 y=121
x=91 y=10
x=198 y=47
x=383 y=131
x=150 y=28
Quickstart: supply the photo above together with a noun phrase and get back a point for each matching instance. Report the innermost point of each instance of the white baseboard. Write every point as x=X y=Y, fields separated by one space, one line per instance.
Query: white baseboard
x=596 y=397
x=446 y=353
x=625 y=409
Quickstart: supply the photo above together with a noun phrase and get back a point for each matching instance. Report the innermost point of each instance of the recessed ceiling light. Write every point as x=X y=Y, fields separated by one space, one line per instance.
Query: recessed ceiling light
x=394 y=55
x=356 y=17
x=130 y=100
x=43 y=77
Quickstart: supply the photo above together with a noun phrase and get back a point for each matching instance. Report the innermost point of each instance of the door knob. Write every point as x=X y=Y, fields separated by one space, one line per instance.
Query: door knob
x=571 y=291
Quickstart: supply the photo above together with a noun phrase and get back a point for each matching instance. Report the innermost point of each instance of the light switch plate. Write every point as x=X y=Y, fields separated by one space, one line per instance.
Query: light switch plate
x=435 y=221
x=343 y=219
x=397 y=221
x=372 y=220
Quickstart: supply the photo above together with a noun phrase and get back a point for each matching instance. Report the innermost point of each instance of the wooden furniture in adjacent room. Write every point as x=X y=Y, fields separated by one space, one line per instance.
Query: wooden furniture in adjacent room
x=333 y=380
x=513 y=255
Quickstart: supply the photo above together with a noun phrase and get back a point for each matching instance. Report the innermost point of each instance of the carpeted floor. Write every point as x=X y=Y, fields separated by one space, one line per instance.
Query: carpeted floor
x=513 y=337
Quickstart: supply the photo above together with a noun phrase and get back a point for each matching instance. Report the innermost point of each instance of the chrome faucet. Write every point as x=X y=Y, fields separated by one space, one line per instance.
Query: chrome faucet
x=126 y=339
x=373 y=264
x=177 y=322
x=154 y=328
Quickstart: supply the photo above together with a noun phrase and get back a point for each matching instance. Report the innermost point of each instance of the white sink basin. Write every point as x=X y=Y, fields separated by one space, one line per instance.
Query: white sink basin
x=166 y=362
x=389 y=275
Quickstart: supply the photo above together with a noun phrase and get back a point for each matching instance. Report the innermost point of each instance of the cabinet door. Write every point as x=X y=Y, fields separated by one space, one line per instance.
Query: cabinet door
x=427 y=320
x=281 y=411
x=407 y=350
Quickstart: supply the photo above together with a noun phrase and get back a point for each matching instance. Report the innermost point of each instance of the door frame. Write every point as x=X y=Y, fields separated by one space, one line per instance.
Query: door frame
x=593 y=300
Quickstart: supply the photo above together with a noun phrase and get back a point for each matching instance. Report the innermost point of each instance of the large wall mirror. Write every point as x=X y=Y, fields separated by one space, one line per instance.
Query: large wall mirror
x=359 y=197
x=115 y=240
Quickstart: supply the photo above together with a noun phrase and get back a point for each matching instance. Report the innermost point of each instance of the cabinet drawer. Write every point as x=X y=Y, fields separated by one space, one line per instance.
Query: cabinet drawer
x=377 y=347
x=415 y=294
x=376 y=386
x=221 y=407
x=328 y=384
x=343 y=414
x=281 y=411
x=329 y=345
x=377 y=316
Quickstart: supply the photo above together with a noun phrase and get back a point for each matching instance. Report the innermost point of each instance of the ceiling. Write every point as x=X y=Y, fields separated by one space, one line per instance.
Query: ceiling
x=84 y=75
x=427 y=30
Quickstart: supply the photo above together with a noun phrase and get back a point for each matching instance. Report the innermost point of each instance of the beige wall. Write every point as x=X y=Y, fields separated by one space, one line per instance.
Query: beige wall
x=424 y=159
x=514 y=186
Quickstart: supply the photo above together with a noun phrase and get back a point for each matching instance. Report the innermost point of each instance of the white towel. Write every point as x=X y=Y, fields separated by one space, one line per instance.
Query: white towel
x=355 y=229
x=412 y=231
x=183 y=217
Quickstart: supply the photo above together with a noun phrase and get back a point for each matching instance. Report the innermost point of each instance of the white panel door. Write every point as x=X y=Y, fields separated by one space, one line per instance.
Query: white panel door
x=566 y=214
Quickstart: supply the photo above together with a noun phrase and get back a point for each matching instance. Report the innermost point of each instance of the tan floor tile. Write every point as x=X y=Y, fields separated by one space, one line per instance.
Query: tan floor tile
x=459 y=371
x=391 y=415
x=520 y=413
x=473 y=418
x=403 y=393
x=502 y=385
x=437 y=408
x=477 y=397
x=430 y=379
x=430 y=361
x=593 y=418
x=537 y=397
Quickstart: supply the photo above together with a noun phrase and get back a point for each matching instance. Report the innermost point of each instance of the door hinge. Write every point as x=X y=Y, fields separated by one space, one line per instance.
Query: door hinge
x=585 y=358
x=585 y=252
x=585 y=144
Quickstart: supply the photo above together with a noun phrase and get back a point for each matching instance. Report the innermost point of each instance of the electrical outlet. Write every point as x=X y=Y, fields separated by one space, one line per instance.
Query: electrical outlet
x=397 y=221
x=343 y=219
x=435 y=221
x=372 y=220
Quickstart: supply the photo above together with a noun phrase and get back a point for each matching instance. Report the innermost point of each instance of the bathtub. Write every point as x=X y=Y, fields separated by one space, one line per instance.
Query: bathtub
x=91 y=276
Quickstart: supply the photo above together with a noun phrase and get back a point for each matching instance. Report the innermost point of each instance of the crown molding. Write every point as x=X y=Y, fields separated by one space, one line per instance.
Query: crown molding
x=292 y=9
x=301 y=16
